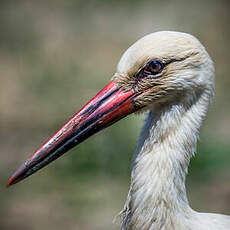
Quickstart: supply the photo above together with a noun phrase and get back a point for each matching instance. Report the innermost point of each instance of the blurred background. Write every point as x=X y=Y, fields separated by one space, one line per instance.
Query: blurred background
x=54 y=56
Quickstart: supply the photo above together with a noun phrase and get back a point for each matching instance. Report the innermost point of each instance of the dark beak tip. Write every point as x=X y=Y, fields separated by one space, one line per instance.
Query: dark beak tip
x=10 y=182
x=17 y=176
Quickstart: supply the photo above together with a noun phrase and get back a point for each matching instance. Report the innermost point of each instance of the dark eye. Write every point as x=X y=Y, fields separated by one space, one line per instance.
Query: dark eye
x=155 y=67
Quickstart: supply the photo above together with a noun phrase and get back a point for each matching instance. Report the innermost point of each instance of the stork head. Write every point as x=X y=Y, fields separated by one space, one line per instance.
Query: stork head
x=159 y=69
x=165 y=67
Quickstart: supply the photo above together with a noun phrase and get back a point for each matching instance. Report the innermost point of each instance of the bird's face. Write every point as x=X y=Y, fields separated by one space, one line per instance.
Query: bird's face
x=158 y=69
x=165 y=67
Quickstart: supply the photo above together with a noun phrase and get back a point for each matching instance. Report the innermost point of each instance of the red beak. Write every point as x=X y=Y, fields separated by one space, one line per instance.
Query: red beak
x=108 y=106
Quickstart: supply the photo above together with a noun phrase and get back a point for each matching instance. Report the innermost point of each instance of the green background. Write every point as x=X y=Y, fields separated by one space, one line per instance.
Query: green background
x=55 y=56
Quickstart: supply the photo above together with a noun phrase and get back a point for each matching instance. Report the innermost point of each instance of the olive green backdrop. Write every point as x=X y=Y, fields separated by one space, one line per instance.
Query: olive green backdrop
x=56 y=55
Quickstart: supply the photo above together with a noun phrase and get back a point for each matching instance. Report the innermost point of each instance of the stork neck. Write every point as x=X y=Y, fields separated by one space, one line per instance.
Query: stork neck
x=157 y=193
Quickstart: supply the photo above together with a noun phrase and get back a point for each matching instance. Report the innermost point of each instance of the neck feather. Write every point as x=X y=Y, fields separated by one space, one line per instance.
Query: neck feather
x=157 y=196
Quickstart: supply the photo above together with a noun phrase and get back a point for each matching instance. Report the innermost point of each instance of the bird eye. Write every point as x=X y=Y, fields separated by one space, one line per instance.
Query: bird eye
x=155 y=67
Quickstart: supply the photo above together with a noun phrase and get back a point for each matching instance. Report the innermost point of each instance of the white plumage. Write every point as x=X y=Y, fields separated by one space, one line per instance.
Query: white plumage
x=157 y=197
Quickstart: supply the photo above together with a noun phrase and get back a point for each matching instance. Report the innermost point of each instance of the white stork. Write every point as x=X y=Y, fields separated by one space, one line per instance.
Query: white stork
x=170 y=75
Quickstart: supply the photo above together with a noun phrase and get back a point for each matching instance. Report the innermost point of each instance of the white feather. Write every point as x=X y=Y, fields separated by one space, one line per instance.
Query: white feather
x=157 y=197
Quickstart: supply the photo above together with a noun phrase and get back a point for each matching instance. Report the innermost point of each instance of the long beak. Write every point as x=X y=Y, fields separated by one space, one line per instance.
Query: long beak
x=108 y=106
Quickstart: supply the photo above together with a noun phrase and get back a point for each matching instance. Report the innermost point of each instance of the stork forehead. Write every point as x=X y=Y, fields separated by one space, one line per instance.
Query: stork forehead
x=164 y=45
